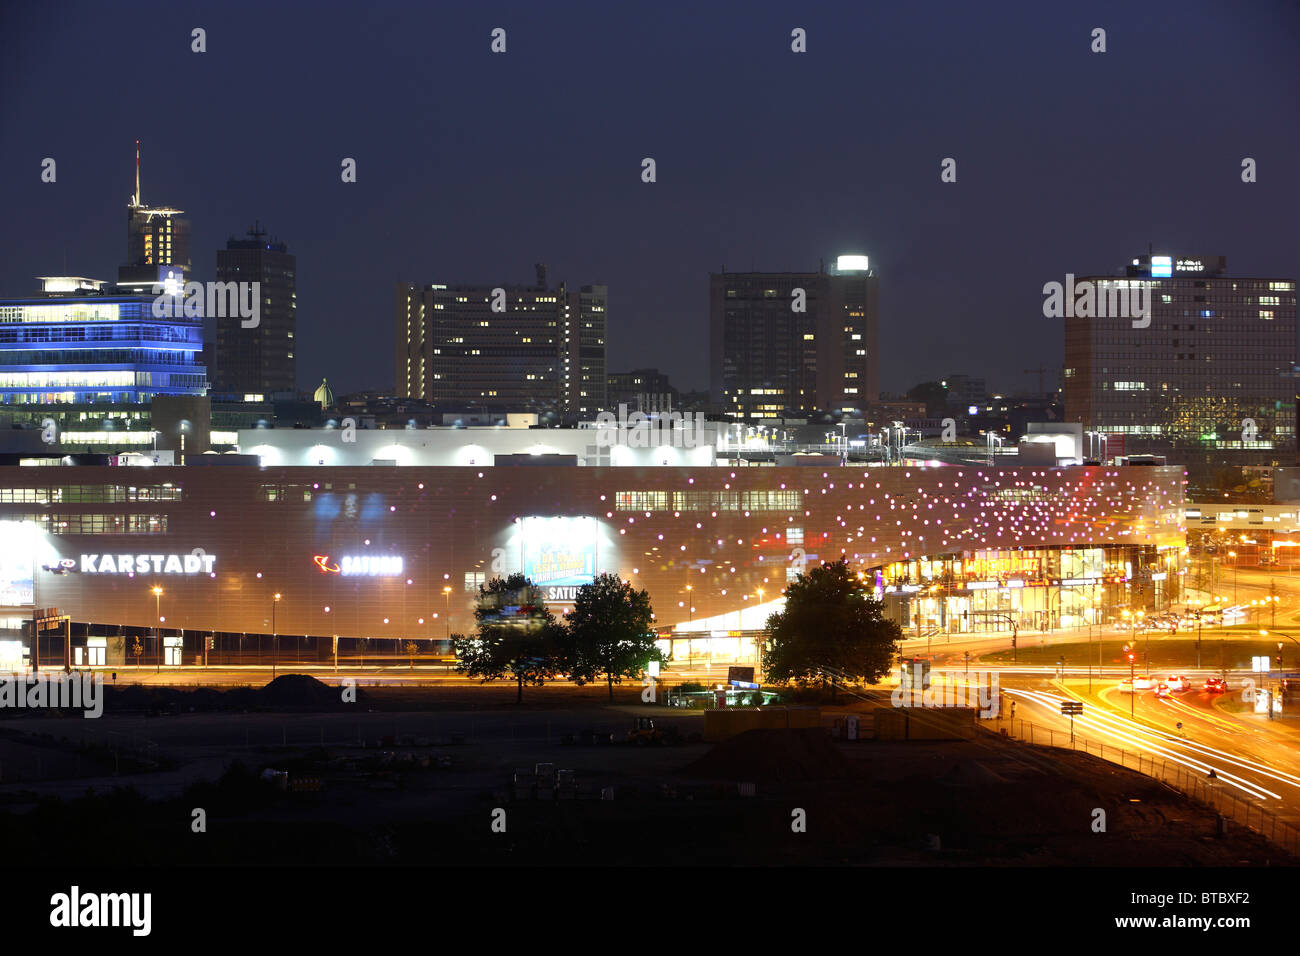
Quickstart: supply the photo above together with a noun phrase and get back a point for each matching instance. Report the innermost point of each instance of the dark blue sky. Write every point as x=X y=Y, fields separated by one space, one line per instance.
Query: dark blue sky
x=473 y=166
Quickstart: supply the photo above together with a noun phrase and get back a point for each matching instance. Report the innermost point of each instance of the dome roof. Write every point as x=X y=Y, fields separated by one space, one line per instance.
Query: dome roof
x=324 y=394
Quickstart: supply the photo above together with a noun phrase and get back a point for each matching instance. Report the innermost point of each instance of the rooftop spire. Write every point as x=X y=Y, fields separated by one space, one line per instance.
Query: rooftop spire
x=135 y=200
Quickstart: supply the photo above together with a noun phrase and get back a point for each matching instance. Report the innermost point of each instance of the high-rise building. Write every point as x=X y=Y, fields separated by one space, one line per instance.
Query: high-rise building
x=1206 y=378
x=782 y=344
x=522 y=347
x=257 y=360
x=156 y=236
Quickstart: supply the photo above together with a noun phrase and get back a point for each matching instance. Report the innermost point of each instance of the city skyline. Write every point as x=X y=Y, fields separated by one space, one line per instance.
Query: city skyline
x=743 y=435
x=760 y=197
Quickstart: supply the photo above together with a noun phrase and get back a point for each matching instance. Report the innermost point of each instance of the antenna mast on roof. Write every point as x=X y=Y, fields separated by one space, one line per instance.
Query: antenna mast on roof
x=135 y=200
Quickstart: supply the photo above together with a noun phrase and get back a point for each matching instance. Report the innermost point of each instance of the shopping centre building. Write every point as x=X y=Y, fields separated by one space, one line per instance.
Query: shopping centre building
x=289 y=559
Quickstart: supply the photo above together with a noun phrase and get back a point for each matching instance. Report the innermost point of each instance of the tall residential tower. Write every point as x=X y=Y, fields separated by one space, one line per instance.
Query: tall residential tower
x=521 y=347
x=785 y=343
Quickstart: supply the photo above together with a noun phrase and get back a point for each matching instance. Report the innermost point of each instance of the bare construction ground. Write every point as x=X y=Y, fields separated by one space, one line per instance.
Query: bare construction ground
x=415 y=776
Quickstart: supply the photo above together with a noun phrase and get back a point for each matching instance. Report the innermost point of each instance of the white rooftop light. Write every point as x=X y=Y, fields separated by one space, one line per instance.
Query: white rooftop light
x=851 y=264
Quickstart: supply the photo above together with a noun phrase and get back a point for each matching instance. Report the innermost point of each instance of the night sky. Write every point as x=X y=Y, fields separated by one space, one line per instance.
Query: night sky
x=473 y=166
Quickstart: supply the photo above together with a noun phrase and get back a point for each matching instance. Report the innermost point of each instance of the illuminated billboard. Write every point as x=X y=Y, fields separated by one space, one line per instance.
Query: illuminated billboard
x=17 y=562
x=559 y=551
x=365 y=565
x=1162 y=267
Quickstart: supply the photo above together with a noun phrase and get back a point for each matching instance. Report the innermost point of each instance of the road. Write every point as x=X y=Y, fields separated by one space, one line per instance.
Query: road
x=1255 y=758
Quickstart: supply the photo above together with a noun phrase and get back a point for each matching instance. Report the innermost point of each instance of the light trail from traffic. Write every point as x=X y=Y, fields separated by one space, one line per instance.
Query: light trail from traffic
x=1154 y=741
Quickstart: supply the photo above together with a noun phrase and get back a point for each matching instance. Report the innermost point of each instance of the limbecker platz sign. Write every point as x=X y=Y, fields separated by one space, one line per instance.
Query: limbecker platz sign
x=194 y=563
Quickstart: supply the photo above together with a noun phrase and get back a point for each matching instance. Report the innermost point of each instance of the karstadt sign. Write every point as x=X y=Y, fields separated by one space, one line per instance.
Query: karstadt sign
x=196 y=562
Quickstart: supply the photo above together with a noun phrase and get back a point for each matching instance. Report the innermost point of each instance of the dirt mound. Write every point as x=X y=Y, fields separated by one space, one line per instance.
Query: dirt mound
x=774 y=756
x=300 y=690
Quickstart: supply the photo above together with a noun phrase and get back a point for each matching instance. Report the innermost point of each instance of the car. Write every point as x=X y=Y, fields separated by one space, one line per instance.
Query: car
x=1178 y=683
x=1145 y=683
x=1126 y=686
x=1216 y=685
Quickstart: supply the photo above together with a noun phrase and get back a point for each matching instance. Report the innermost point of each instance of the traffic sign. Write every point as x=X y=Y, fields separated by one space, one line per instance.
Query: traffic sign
x=1072 y=709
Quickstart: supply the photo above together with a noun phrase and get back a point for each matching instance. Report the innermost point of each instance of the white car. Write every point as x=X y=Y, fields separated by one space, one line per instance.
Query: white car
x=1178 y=683
x=1143 y=683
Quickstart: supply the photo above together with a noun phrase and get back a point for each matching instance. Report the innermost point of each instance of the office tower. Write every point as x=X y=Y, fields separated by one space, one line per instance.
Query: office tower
x=1208 y=380
x=257 y=360
x=157 y=237
x=787 y=343
x=539 y=348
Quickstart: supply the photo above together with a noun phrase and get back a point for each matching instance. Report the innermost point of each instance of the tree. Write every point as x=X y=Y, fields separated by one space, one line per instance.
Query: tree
x=609 y=632
x=411 y=648
x=830 y=621
x=516 y=635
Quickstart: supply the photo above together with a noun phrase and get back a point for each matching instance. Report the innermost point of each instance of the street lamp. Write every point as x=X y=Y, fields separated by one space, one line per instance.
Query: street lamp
x=1197 y=614
x=1132 y=685
x=1146 y=635
x=1233 y=555
x=275 y=641
x=1092 y=619
x=157 y=633
x=446 y=593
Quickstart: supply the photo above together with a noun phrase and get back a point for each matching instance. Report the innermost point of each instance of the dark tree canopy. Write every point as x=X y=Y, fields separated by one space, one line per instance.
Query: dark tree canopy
x=830 y=621
x=609 y=632
x=516 y=636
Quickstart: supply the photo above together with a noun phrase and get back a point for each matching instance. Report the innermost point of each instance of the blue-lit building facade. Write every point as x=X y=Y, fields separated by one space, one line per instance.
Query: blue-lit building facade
x=94 y=361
